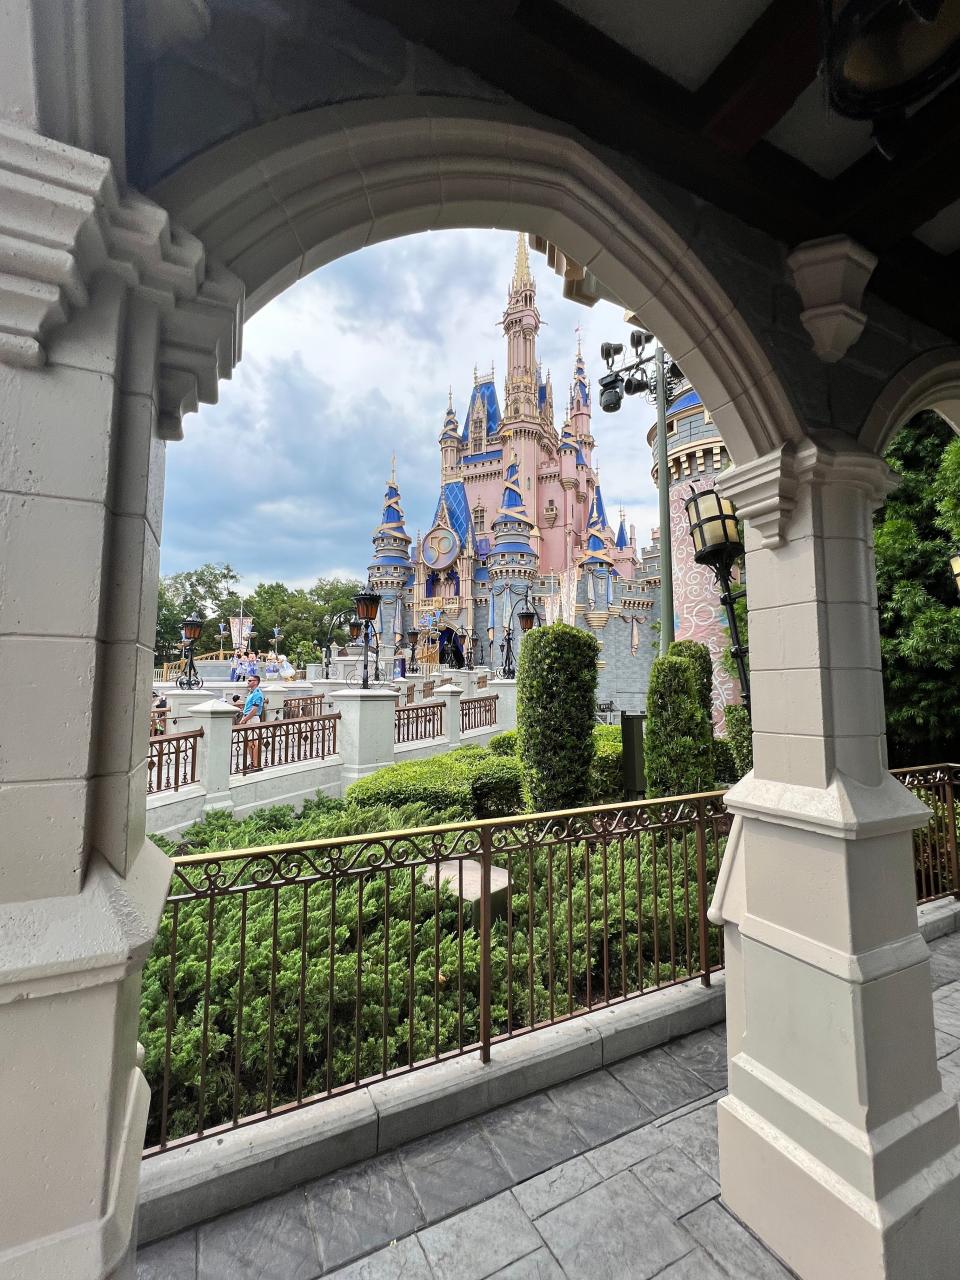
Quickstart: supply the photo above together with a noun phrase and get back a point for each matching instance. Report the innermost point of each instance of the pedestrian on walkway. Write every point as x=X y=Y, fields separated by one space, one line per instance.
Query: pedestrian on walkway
x=253 y=714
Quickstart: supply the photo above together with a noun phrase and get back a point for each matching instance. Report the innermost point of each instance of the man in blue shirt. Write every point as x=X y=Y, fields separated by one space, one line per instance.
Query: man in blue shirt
x=252 y=715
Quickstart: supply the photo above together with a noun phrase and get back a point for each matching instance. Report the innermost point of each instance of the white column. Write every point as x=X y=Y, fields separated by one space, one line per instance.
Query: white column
x=365 y=734
x=213 y=761
x=450 y=694
x=506 y=691
x=838 y=1146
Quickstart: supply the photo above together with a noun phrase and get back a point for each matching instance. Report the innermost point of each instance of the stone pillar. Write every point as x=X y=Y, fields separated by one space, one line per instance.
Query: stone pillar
x=506 y=691
x=215 y=718
x=450 y=694
x=838 y=1146
x=365 y=734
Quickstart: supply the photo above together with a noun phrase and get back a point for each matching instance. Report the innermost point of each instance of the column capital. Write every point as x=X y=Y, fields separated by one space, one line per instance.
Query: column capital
x=66 y=220
x=765 y=490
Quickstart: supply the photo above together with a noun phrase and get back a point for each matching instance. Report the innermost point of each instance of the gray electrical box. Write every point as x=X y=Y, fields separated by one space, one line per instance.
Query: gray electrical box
x=634 y=773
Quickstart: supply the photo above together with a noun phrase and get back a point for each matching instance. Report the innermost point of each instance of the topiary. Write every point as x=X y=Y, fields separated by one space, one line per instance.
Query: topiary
x=698 y=655
x=678 y=736
x=504 y=744
x=606 y=768
x=740 y=737
x=724 y=763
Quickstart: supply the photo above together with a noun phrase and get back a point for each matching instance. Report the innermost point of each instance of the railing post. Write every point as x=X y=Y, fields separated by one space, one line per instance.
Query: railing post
x=952 y=835
x=701 y=837
x=215 y=718
x=486 y=859
x=451 y=694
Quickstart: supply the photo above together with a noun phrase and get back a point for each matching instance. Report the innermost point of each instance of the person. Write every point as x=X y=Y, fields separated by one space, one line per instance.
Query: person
x=253 y=713
x=286 y=668
x=252 y=666
x=158 y=714
x=273 y=667
x=237 y=666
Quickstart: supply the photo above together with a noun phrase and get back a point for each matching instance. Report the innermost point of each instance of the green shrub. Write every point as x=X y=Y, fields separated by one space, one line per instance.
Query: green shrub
x=678 y=738
x=606 y=768
x=470 y=782
x=724 y=764
x=504 y=744
x=740 y=737
x=698 y=655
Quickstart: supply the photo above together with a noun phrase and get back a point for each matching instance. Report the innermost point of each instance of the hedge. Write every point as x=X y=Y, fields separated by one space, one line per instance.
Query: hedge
x=724 y=763
x=698 y=655
x=606 y=768
x=469 y=782
x=504 y=744
x=678 y=744
x=740 y=737
x=556 y=700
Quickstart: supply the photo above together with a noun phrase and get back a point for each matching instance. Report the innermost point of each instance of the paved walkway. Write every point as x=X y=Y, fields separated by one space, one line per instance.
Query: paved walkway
x=610 y=1175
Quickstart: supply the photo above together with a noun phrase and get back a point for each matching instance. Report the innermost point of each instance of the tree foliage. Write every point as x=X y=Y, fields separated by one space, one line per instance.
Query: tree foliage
x=915 y=533
x=678 y=734
x=739 y=738
x=556 y=704
x=698 y=655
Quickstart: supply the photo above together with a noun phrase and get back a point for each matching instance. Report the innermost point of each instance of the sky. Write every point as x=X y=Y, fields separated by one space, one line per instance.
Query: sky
x=283 y=479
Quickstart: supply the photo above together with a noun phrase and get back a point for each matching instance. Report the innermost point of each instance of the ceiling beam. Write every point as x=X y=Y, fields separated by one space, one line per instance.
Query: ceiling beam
x=762 y=76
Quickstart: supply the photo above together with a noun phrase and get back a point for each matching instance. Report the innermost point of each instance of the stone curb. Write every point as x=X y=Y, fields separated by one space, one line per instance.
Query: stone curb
x=937 y=919
x=193 y=1184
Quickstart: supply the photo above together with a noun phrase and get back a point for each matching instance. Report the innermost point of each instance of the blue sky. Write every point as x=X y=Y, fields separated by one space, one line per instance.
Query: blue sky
x=284 y=478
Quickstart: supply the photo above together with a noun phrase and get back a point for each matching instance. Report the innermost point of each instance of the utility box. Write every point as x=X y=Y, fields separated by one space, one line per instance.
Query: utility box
x=634 y=772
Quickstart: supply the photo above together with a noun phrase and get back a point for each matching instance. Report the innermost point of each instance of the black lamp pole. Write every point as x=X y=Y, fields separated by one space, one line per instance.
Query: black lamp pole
x=717 y=544
x=345 y=615
x=526 y=618
x=367 y=603
x=192 y=626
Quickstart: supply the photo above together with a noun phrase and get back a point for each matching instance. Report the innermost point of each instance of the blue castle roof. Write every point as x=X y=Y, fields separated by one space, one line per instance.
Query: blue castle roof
x=688 y=400
x=622 y=540
x=458 y=509
x=487 y=392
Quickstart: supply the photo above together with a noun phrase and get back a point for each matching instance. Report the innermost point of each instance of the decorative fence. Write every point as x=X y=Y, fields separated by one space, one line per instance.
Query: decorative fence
x=298 y=708
x=172 y=761
x=478 y=713
x=935 y=845
x=284 y=976
x=418 y=722
x=262 y=746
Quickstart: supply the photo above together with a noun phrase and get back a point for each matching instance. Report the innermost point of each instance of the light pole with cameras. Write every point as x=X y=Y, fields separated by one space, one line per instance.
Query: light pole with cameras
x=653 y=375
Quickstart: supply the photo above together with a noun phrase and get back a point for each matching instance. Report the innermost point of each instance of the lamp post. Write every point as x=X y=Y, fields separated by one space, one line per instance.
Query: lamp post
x=191 y=628
x=717 y=544
x=367 y=603
x=413 y=635
x=526 y=618
x=653 y=374
x=222 y=627
x=345 y=615
x=277 y=637
x=468 y=639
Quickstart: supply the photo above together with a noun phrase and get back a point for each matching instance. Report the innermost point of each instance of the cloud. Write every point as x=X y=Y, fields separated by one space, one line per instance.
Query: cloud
x=284 y=478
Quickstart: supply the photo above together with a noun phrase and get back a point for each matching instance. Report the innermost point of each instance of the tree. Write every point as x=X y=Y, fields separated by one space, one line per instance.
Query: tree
x=698 y=655
x=209 y=590
x=556 y=703
x=678 y=736
x=919 y=613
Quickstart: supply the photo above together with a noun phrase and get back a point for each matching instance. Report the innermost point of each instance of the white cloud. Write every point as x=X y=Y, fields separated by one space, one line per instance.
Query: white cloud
x=284 y=477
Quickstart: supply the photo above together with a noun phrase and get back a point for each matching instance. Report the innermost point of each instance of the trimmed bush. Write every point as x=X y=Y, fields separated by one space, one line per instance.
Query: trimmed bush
x=556 y=698
x=740 y=737
x=724 y=764
x=606 y=768
x=504 y=744
x=469 y=782
x=678 y=746
x=698 y=655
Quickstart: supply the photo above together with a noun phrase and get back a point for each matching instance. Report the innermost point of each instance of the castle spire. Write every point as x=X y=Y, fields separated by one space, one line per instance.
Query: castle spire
x=390 y=567
x=521 y=267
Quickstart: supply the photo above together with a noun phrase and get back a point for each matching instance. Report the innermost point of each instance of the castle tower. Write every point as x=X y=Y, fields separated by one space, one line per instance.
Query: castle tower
x=391 y=568
x=696 y=455
x=579 y=411
x=524 y=393
x=449 y=442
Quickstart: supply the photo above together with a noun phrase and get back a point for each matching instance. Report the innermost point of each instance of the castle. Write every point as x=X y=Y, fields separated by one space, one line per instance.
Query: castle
x=520 y=517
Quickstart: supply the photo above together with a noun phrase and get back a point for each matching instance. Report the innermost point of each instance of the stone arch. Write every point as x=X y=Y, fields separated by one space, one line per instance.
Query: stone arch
x=277 y=202
x=932 y=381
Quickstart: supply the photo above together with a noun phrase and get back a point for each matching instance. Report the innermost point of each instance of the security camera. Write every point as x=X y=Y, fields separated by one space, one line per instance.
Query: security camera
x=611 y=392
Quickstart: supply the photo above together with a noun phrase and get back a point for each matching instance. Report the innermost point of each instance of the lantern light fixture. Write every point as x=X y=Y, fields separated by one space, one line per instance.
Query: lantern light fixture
x=366 y=604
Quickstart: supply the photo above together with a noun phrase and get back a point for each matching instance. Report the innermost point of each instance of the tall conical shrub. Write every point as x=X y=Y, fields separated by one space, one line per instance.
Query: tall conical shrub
x=678 y=735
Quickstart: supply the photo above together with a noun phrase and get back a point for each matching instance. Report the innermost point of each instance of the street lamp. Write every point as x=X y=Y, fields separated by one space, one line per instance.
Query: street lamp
x=366 y=604
x=526 y=617
x=222 y=626
x=413 y=635
x=468 y=639
x=717 y=544
x=191 y=628
x=655 y=376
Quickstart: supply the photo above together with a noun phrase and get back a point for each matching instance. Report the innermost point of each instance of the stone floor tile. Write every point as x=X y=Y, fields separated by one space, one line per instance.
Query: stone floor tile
x=599 y=1107
x=361 y=1209
x=480 y=1241
x=693 y=1266
x=614 y=1157
x=946 y=1043
x=696 y=1134
x=946 y=1014
x=944 y=968
x=660 y=1082
x=452 y=1170
x=678 y=1183
x=563 y=1182
x=401 y=1260
x=950 y=1074
x=731 y=1245
x=616 y=1231
x=531 y=1135
x=704 y=1055
x=271 y=1240
x=172 y=1259
x=541 y=1265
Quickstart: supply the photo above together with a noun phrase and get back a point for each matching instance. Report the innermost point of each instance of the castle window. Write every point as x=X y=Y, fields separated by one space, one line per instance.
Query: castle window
x=479 y=515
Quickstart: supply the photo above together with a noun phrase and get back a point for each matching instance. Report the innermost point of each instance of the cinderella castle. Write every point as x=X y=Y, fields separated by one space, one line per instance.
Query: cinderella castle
x=520 y=518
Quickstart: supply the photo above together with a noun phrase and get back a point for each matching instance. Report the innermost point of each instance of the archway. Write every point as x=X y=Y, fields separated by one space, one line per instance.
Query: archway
x=932 y=381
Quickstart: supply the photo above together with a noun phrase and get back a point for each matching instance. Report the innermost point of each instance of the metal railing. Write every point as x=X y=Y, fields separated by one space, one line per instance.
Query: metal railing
x=478 y=713
x=299 y=708
x=418 y=722
x=285 y=976
x=264 y=746
x=172 y=761
x=935 y=845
